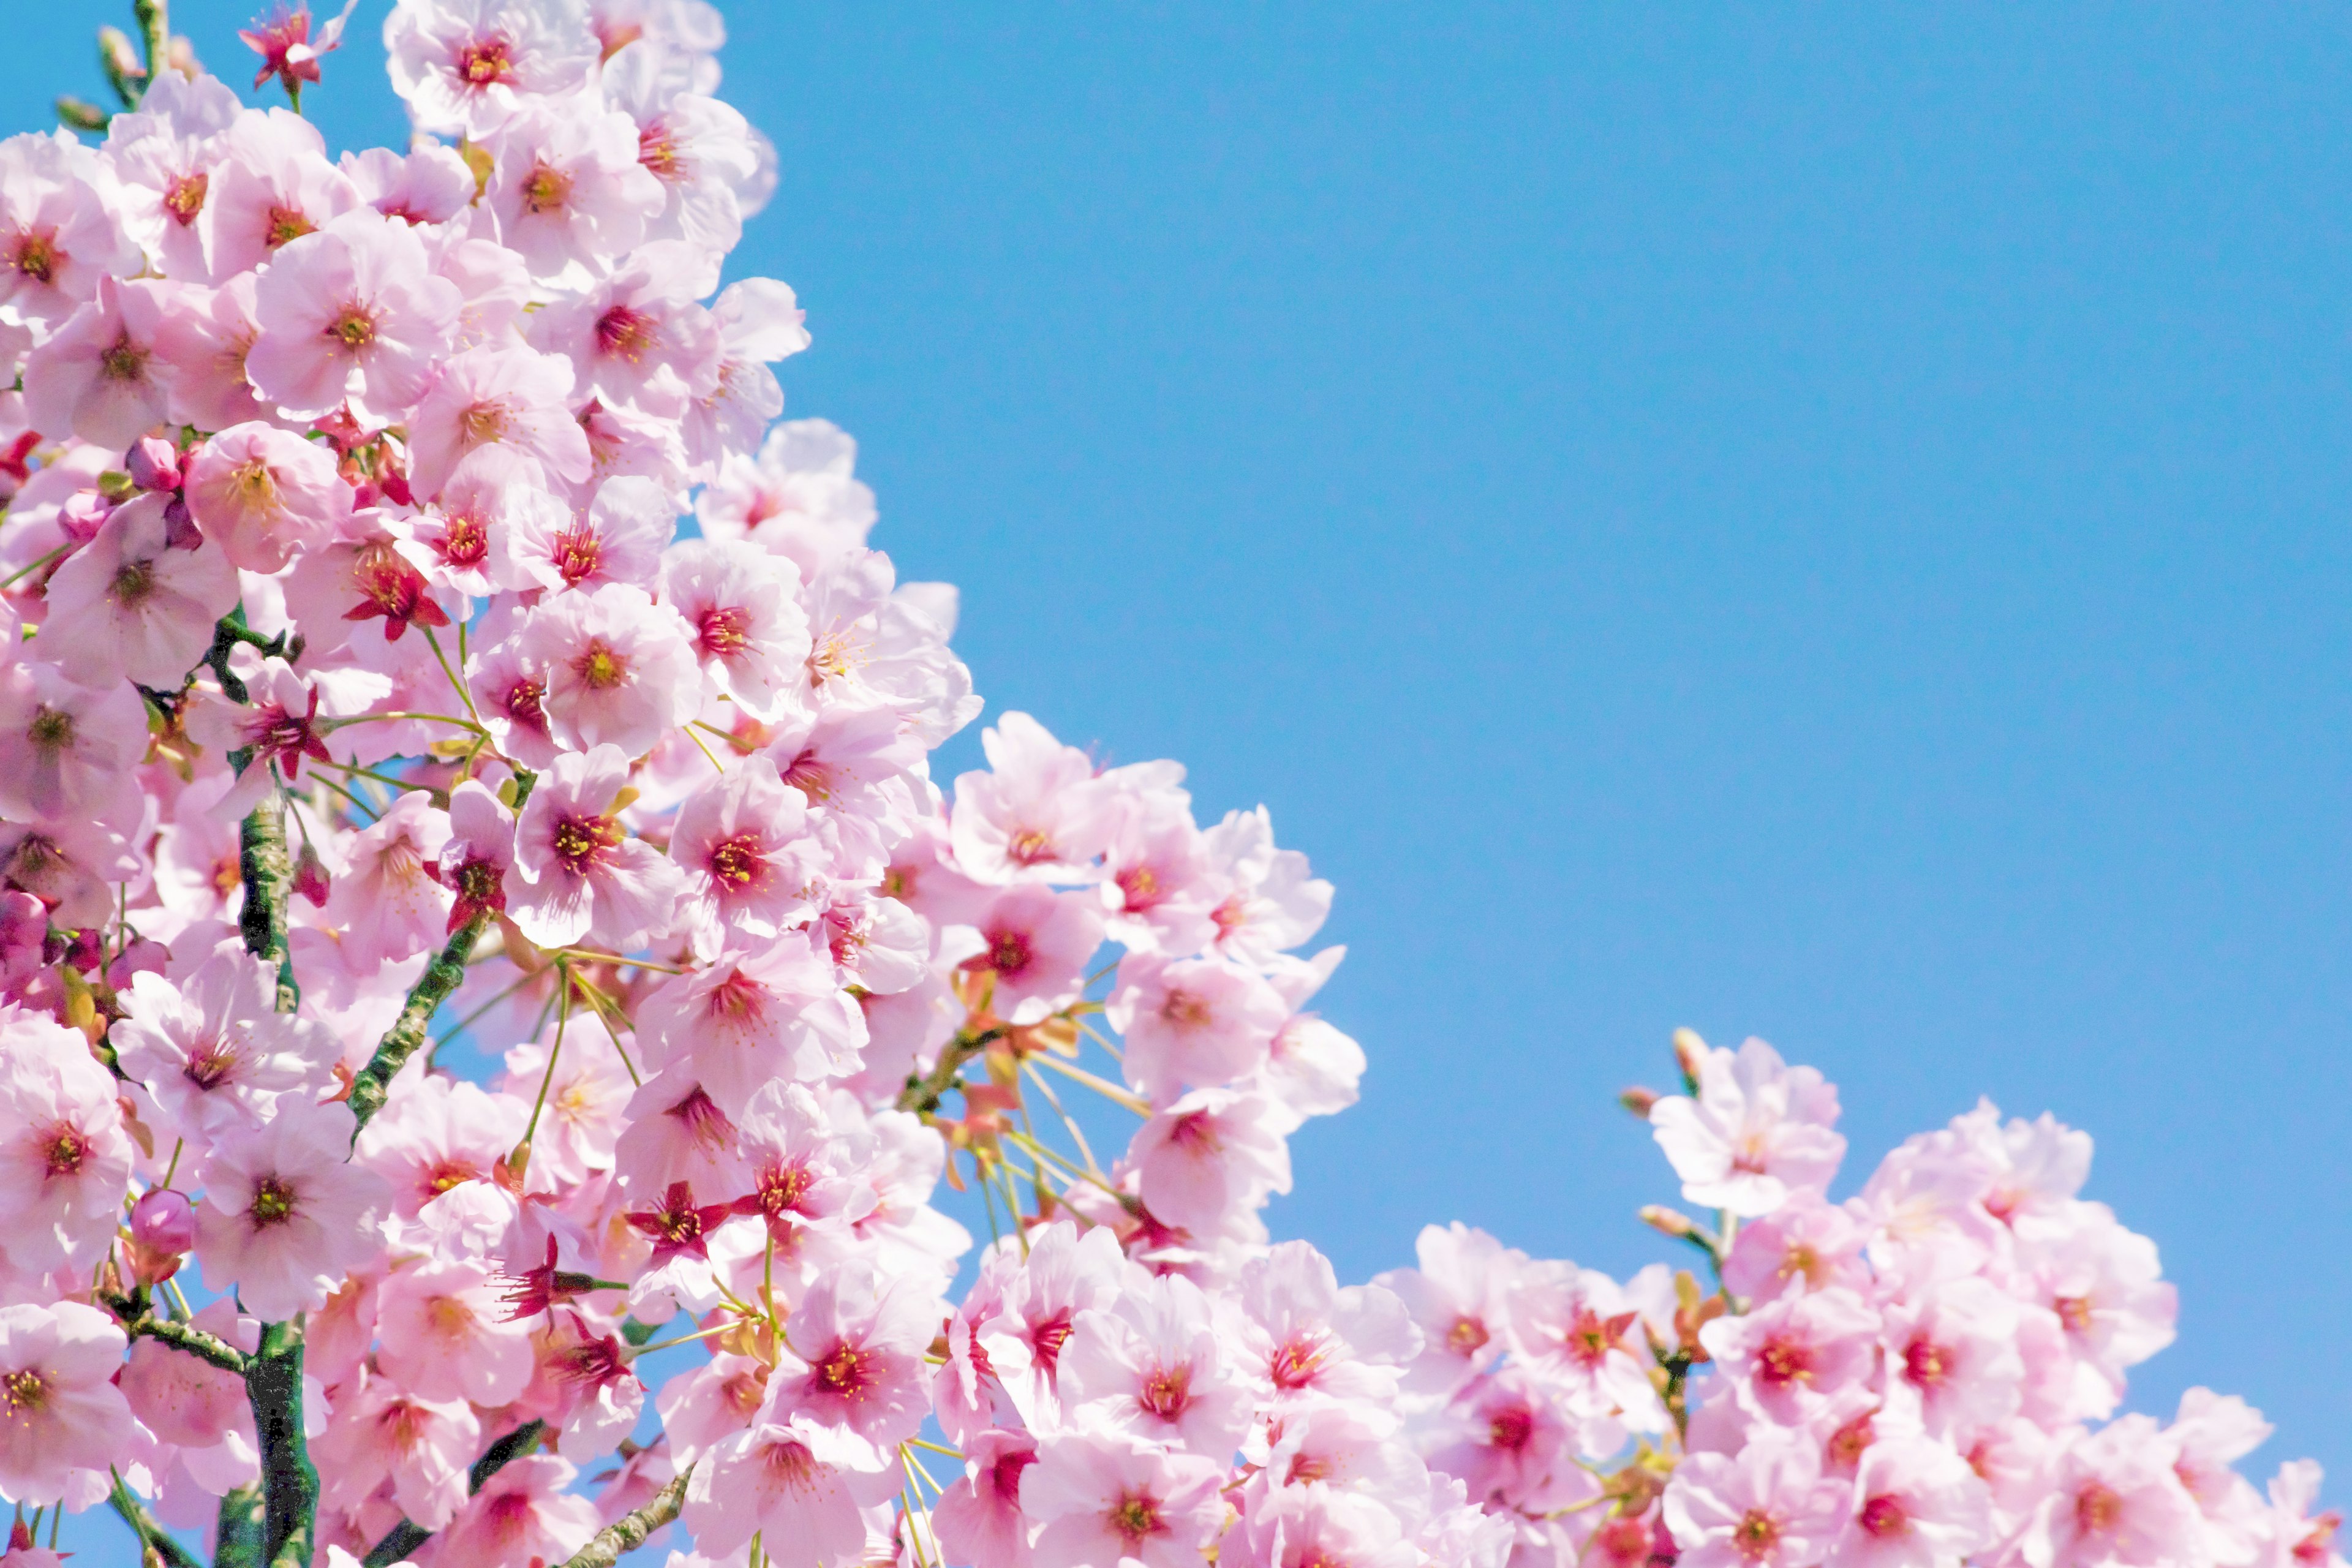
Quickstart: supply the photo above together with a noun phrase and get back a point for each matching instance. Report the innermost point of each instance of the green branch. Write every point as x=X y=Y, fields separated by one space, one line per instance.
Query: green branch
x=405 y=1538
x=630 y=1530
x=237 y=1532
x=411 y=1029
x=195 y=1342
x=267 y=872
x=273 y=1384
x=922 y=1094
x=154 y=1545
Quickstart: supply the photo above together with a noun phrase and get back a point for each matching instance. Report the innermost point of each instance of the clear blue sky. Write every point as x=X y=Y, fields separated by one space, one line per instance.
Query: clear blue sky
x=1828 y=523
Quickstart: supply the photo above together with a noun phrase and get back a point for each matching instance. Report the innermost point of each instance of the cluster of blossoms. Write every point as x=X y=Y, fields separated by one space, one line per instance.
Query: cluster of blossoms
x=368 y=717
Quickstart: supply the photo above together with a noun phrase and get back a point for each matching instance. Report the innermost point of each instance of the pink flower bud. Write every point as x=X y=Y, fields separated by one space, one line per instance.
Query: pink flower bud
x=154 y=464
x=164 y=1221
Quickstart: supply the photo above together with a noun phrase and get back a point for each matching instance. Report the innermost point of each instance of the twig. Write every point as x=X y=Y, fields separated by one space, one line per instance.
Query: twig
x=195 y=1342
x=439 y=981
x=156 y=1546
x=631 y=1531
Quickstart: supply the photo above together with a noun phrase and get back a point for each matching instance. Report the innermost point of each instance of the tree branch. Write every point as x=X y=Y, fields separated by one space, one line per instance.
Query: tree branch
x=922 y=1094
x=405 y=1538
x=409 y=1031
x=154 y=1545
x=630 y=1530
x=195 y=1342
x=273 y=1384
x=237 y=1530
x=267 y=872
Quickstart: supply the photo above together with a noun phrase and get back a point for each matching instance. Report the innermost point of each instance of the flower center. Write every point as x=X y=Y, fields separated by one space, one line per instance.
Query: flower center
x=52 y=728
x=273 y=1201
x=736 y=862
x=183 y=198
x=726 y=632
x=1884 y=1517
x=580 y=841
x=1511 y=1428
x=1467 y=1336
x=133 y=581
x=2098 y=1509
x=545 y=189
x=1755 y=1534
x=24 y=1389
x=1167 y=1392
x=485 y=62
x=353 y=327
x=1136 y=1518
x=286 y=225
x=66 y=1151
x=2074 y=1312
x=1926 y=1362
x=35 y=254
x=625 y=332
x=1784 y=1361
x=598 y=667
x=210 y=1065
x=125 y=361
x=845 y=1372
x=1008 y=952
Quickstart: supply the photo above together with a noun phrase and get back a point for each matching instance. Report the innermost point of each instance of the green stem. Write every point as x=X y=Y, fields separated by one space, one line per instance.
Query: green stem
x=156 y=1546
x=237 y=1530
x=630 y=1530
x=268 y=874
x=409 y=1031
x=922 y=1094
x=405 y=1538
x=195 y=1342
x=273 y=1384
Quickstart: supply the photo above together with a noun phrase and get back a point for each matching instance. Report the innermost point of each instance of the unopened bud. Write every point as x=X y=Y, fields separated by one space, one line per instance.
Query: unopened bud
x=153 y=464
x=164 y=1221
x=1668 y=1222
x=310 y=878
x=1690 y=1053
x=180 y=529
x=1638 y=1101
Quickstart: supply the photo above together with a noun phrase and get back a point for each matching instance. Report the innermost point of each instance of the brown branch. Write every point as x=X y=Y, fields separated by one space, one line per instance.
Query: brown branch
x=631 y=1531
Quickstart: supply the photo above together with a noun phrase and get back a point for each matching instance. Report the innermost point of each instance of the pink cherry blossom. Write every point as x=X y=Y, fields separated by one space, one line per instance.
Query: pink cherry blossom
x=213 y=1049
x=1193 y=1021
x=1038 y=815
x=59 y=1410
x=129 y=604
x=620 y=669
x=1756 y=1131
x=66 y=747
x=96 y=376
x=467 y=65
x=64 y=1154
x=262 y=494
x=352 y=314
x=750 y=866
x=505 y=397
x=576 y=874
x=1765 y=1507
x=446 y=1334
x=1104 y=1496
x=285 y=1214
x=799 y=1480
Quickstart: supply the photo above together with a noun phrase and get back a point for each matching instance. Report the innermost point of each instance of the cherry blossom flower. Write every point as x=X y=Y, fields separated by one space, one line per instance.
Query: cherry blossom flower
x=96 y=376
x=1038 y=815
x=1765 y=1507
x=68 y=748
x=213 y=1049
x=465 y=66
x=352 y=314
x=854 y=1356
x=576 y=874
x=64 y=1154
x=505 y=397
x=262 y=494
x=446 y=1334
x=799 y=1480
x=1106 y=1497
x=422 y=1446
x=285 y=1215
x=129 y=604
x=750 y=863
x=620 y=669
x=59 y=1410
x=1756 y=1131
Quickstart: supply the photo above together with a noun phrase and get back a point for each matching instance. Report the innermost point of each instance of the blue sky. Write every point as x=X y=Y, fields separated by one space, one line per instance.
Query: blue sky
x=1826 y=523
